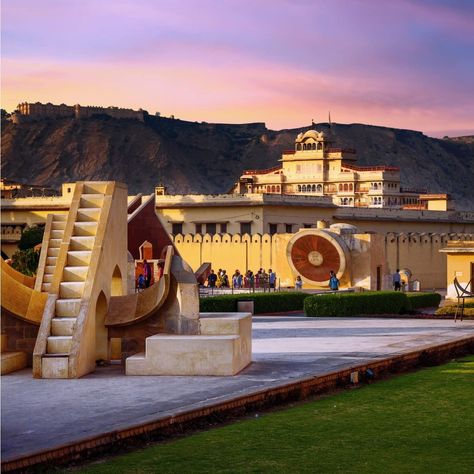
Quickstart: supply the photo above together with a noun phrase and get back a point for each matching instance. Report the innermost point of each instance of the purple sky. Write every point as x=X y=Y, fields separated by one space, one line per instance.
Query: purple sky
x=404 y=63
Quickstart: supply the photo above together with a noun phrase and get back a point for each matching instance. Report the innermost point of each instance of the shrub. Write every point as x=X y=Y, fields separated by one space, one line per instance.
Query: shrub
x=450 y=310
x=30 y=237
x=26 y=261
x=352 y=304
x=263 y=302
x=368 y=302
x=423 y=300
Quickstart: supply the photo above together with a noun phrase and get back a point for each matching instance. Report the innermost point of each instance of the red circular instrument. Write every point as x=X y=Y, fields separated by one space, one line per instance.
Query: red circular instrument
x=314 y=253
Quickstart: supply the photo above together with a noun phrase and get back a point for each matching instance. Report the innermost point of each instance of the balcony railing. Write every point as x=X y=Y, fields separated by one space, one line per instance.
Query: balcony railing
x=264 y=171
x=371 y=168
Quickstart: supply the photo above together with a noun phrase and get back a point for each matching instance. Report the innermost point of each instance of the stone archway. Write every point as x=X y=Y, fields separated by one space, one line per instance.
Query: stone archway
x=101 y=332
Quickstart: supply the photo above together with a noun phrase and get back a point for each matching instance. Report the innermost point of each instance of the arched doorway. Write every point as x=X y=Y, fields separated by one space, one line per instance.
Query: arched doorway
x=101 y=332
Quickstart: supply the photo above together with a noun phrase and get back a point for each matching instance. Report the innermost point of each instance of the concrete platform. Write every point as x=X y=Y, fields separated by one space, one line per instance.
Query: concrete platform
x=224 y=347
x=40 y=414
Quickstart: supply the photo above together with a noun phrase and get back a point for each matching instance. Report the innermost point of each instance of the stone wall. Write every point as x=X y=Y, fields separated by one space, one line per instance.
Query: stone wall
x=418 y=252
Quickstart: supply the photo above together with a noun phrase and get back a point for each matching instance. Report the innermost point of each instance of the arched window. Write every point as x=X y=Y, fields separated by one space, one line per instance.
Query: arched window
x=299 y=188
x=340 y=187
x=303 y=188
x=313 y=188
x=350 y=187
x=314 y=146
x=273 y=189
x=319 y=188
x=345 y=187
x=320 y=146
x=304 y=146
x=278 y=189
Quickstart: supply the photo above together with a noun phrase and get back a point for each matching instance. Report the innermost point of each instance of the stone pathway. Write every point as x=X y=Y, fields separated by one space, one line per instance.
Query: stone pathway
x=39 y=414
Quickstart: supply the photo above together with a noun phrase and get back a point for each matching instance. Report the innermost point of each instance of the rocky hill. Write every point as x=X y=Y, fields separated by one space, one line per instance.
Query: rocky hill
x=192 y=157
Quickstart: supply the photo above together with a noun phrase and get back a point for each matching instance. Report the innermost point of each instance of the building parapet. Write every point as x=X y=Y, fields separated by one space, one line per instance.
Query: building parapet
x=387 y=213
x=249 y=199
x=41 y=203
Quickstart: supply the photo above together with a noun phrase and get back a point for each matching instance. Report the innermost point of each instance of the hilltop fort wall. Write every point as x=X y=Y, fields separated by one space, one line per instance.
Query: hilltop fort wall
x=37 y=111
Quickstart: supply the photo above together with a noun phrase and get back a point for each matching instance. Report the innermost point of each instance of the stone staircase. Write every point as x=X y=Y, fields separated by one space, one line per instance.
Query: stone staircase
x=56 y=237
x=74 y=276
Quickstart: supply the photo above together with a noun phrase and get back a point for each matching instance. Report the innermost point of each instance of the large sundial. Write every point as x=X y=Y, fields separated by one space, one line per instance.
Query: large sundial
x=314 y=253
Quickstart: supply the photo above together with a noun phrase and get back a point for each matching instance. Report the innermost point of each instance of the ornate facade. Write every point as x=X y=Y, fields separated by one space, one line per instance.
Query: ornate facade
x=316 y=168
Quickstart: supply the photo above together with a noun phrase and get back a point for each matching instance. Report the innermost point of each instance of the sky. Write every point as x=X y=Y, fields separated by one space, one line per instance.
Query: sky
x=404 y=63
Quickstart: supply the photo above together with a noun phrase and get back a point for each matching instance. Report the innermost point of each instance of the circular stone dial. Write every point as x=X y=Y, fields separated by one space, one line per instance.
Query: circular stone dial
x=314 y=257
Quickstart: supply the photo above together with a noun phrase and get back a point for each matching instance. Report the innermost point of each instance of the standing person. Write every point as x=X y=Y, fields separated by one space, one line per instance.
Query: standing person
x=240 y=280
x=251 y=280
x=333 y=281
x=298 y=283
x=397 y=281
x=147 y=273
x=211 y=279
x=225 y=279
x=235 y=279
x=272 y=278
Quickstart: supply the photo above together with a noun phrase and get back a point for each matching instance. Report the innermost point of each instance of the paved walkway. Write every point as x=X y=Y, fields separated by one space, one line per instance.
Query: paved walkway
x=40 y=414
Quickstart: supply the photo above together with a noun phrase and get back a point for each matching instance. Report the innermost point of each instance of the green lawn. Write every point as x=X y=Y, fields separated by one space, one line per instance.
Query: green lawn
x=418 y=422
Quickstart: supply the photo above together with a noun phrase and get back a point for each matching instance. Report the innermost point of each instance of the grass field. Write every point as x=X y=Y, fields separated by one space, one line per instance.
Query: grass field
x=418 y=422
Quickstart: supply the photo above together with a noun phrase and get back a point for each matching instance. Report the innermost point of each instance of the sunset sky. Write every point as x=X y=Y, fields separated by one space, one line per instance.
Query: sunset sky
x=403 y=63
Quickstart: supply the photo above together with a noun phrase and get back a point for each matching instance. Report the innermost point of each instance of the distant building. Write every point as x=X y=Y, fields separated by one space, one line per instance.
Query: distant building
x=315 y=168
x=36 y=111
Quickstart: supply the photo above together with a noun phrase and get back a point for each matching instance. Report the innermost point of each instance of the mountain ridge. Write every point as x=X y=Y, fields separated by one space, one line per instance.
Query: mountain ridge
x=199 y=157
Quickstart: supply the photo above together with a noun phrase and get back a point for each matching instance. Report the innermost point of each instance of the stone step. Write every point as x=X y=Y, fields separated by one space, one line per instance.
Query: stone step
x=71 y=289
x=55 y=366
x=49 y=269
x=57 y=234
x=84 y=228
x=52 y=252
x=51 y=261
x=78 y=257
x=48 y=278
x=54 y=243
x=45 y=287
x=94 y=188
x=60 y=218
x=68 y=307
x=58 y=225
x=59 y=344
x=81 y=243
x=91 y=214
x=91 y=200
x=75 y=273
x=62 y=326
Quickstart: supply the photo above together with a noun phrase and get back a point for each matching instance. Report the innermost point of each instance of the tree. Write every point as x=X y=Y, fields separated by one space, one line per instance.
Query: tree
x=31 y=236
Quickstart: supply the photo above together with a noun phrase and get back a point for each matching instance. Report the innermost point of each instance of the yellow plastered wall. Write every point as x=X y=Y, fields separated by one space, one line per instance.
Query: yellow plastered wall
x=460 y=265
x=417 y=252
